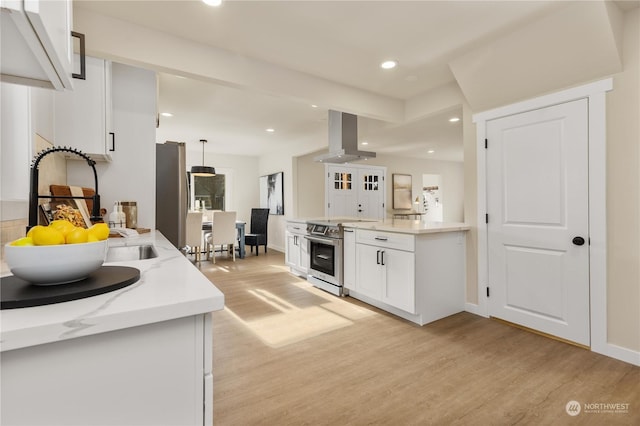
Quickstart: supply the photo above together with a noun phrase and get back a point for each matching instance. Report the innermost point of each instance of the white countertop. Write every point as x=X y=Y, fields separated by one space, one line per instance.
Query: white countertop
x=406 y=226
x=170 y=287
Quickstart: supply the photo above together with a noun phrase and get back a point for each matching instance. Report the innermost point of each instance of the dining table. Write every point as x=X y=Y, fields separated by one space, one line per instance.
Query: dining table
x=240 y=226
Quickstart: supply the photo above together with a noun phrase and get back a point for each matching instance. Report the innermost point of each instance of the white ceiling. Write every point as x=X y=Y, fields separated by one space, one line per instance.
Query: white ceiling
x=338 y=41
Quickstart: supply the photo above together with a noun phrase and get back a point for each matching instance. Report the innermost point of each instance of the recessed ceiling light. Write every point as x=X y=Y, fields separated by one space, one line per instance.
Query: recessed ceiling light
x=314 y=106
x=365 y=143
x=430 y=151
x=387 y=65
x=270 y=130
x=166 y=114
x=212 y=2
x=454 y=119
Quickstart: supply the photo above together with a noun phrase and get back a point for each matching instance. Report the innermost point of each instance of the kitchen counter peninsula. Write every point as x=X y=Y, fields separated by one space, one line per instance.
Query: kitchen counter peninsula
x=138 y=355
x=408 y=226
x=410 y=268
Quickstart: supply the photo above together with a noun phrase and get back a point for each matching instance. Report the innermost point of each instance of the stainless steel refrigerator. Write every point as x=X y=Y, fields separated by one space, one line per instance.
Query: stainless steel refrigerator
x=172 y=192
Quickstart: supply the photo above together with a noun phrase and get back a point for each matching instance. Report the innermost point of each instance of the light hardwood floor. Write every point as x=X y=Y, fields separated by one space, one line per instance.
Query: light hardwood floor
x=286 y=353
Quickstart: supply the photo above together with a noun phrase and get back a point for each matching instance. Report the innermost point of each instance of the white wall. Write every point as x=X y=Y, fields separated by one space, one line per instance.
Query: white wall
x=273 y=163
x=310 y=183
x=131 y=174
x=623 y=194
x=452 y=195
x=309 y=188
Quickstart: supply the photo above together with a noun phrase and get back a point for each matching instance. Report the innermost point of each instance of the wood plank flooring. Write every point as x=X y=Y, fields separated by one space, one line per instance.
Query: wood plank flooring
x=286 y=353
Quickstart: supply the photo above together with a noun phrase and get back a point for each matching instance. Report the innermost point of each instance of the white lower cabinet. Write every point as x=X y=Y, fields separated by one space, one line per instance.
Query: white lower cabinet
x=369 y=272
x=398 y=287
x=386 y=274
x=153 y=374
x=296 y=249
x=417 y=277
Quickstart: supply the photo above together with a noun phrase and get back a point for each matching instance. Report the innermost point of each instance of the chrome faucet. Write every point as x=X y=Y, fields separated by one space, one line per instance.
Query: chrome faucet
x=33 y=192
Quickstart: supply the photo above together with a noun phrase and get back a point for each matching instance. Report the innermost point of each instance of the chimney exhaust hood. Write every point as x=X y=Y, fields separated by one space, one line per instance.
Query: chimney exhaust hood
x=343 y=140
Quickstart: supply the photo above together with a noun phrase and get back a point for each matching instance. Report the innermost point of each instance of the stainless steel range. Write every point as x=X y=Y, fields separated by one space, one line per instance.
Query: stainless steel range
x=325 y=255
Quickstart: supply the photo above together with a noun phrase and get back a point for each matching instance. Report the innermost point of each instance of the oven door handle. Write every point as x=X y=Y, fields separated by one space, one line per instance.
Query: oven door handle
x=327 y=241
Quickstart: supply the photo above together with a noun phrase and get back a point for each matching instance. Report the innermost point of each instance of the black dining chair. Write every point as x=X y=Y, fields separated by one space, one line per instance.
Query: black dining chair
x=257 y=235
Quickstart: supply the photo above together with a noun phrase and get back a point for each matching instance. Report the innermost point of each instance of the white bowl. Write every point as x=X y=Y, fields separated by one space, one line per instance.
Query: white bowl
x=59 y=264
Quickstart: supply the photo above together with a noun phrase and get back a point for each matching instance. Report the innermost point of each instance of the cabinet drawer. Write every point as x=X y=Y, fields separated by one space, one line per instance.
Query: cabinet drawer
x=297 y=228
x=386 y=239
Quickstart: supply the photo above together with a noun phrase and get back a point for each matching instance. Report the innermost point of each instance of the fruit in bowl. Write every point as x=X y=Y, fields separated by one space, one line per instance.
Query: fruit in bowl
x=57 y=254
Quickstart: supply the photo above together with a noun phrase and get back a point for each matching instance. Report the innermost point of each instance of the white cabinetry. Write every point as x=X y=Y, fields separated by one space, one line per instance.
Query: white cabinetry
x=159 y=373
x=15 y=142
x=297 y=248
x=385 y=268
x=349 y=259
x=83 y=118
x=419 y=277
x=36 y=43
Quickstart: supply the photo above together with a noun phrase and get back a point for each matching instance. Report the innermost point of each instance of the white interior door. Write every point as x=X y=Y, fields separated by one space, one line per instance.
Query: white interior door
x=342 y=191
x=537 y=200
x=371 y=194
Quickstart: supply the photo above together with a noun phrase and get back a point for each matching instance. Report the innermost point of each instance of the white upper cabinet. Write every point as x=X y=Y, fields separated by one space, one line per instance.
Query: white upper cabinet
x=83 y=117
x=36 y=43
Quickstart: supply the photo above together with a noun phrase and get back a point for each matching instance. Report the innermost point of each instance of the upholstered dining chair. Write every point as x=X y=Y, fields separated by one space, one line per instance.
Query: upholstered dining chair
x=193 y=238
x=223 y=232
x=257 y=235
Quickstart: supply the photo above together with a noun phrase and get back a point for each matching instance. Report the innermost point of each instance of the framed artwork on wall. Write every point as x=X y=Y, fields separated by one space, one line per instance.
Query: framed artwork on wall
x=401 y=192
x=272 y=193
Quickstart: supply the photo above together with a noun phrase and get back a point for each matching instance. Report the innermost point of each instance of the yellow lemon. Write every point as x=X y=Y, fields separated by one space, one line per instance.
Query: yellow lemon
x=91 y=238
x=32 y=230
x=24 y=241
x=63 y=226
x=47 y=236
x=77 y=236
x=100 y=231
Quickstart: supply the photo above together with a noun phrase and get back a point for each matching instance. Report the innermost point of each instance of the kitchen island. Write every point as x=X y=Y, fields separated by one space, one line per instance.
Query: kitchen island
x=138 y=355
x=410 y=268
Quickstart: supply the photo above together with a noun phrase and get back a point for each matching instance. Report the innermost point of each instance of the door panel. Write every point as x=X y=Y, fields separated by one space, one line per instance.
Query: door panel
x=369 y=272
x=531 y=281
x=355 y=192
x=370 y=194
x=537 y=177
x=343 y=194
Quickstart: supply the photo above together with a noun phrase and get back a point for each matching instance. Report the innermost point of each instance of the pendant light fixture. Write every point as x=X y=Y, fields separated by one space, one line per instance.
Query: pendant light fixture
x=203 y=170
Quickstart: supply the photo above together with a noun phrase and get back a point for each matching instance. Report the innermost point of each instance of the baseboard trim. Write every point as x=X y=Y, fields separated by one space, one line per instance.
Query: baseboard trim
x=618 y=352
x=474 y=309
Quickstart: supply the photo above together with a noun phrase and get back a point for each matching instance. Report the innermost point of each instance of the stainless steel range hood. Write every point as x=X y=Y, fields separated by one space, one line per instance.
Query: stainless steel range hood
x=343 y=140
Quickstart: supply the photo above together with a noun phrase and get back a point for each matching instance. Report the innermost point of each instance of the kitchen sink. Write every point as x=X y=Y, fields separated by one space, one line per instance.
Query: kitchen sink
x=124 y=253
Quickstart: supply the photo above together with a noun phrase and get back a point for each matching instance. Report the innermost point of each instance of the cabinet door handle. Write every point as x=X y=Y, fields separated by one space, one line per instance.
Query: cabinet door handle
x=348 y=230
x=83 y=65
x=377 y=257
x=381 y=238
x=382 y=257
x=113 y=141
